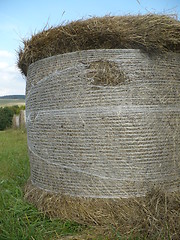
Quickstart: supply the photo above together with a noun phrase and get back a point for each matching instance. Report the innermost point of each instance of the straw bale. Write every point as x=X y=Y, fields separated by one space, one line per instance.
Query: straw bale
x=22 y=119
x=147 y=32
x=15 y=121
x=103 y=121
x=91 y=136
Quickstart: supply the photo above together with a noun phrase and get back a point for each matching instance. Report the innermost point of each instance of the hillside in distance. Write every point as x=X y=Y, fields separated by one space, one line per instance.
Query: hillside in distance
x=13 y=97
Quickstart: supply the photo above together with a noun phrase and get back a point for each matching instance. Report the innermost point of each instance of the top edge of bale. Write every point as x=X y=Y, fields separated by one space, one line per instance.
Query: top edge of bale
x=150 y=33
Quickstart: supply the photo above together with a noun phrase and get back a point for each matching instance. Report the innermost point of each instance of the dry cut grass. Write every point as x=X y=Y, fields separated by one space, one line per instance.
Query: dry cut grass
x=148 y=32
x=156 y=216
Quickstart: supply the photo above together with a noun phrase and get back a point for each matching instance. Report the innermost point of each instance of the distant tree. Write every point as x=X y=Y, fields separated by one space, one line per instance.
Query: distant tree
x=6 y=116
x=15 y=109
x=23 y=107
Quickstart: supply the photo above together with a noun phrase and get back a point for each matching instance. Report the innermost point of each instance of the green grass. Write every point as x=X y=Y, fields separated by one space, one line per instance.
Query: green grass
x=18 y=219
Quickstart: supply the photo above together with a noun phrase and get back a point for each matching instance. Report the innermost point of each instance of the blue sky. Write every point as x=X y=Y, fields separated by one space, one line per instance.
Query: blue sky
x=20 y=18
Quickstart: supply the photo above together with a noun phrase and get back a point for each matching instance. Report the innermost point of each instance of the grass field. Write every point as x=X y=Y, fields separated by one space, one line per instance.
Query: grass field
x=11 y=102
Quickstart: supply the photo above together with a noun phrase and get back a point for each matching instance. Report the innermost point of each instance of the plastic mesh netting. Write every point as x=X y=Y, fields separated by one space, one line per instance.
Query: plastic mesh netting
x=104 y=123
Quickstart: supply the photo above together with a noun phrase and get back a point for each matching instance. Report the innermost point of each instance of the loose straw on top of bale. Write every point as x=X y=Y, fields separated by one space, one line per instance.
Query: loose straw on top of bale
x=147 y=32
x=155 y=216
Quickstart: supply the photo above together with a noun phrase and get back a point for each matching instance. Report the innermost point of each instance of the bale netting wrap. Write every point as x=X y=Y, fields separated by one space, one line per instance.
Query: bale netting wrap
x=104 y=123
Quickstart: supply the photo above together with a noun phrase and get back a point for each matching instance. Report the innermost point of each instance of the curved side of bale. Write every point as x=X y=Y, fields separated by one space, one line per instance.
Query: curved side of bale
x=147 y=32
x=95 y=136
x=104 y=124
x=154 y=216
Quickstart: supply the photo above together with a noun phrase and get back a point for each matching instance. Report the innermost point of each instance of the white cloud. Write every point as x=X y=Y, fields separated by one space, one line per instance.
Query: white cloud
x=5 y=54
x=11 y=80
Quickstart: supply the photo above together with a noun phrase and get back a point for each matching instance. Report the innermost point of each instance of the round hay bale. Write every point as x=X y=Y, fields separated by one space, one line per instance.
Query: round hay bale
x=15 y=121
x=102 y=114
x=104 y=123
x=22 y=119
